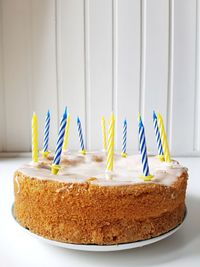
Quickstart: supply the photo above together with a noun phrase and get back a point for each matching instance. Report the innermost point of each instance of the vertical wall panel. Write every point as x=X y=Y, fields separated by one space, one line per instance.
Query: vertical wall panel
x=127 y=68
x=155 y=64
x=197 y=108
x=183 y=75
x=16 y=69
x=71 y=75
x=99 y=84
x=1 y=85
x=43 y=61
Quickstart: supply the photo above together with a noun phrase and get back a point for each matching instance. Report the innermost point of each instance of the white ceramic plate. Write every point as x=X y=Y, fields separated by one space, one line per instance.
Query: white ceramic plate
x=102 y=247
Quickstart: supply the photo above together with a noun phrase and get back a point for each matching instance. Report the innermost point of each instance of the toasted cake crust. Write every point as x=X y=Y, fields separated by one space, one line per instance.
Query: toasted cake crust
x=85 y=213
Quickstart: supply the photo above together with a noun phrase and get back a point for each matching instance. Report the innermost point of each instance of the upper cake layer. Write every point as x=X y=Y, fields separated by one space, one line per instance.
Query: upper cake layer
x=91 y=167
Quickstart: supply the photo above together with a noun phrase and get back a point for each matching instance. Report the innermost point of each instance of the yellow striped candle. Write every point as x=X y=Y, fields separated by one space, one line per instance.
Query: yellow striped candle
x=34 y=138
x=163 y=137
x=65 y=143
x=110 y=148
x=103 y=128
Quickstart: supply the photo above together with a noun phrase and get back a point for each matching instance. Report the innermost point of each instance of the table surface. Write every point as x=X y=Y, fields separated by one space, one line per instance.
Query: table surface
x=17 y=248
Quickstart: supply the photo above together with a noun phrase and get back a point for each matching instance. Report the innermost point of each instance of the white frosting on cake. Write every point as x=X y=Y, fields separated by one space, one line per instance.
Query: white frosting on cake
x=77 y=168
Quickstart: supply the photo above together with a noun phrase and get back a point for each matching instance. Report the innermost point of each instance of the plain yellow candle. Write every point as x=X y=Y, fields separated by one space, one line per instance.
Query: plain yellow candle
x=163 y=138
x=103 y=128
x=34 y=138
x=65 y=143
x=110 y=149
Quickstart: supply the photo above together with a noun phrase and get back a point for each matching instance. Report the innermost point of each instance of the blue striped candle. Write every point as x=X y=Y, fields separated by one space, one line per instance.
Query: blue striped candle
x=157 y=133
x=124 y=139
x=143 y=151
x=80 y=134
x=59 y=144
x=46 y=134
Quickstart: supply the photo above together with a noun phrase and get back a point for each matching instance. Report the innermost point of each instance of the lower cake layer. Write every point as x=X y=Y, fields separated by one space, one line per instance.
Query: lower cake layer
x=84 y=213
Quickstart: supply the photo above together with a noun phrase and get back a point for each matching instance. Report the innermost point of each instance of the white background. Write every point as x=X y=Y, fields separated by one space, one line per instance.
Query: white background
x=96 y=56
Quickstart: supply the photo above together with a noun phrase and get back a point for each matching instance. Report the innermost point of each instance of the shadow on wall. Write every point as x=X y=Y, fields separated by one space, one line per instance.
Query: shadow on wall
x=167 y=250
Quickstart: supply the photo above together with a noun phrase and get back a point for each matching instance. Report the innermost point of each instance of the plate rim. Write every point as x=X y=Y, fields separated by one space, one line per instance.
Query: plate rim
x=101 y=248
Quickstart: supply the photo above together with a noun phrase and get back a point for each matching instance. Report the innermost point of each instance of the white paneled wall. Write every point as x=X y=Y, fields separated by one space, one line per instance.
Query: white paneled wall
x=96 y=56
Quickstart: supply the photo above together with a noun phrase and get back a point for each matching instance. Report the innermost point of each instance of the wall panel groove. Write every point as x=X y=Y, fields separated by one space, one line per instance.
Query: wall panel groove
x=2 y=99
x=142 y=56
x=115 y=27
x=87 y=72
x=197 y=82
x=170 y=74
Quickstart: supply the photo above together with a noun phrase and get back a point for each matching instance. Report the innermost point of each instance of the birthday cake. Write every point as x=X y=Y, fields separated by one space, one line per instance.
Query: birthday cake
x=81 y=205
x=100 y=197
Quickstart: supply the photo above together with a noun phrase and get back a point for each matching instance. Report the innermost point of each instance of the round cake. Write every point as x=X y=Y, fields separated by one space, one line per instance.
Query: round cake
x=84 y=205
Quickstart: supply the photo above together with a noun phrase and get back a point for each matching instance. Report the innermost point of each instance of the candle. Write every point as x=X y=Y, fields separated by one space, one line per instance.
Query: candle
x=158 y=139
x=45 y=151
x=80 y=134
x=103 y=128
x=143 y=150
x=56 y=161
x=163 y=137
x=65 y=143
x=124 y=137
x=110 y=149
x=34 y=138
